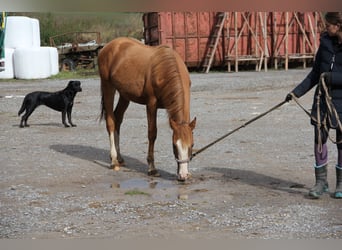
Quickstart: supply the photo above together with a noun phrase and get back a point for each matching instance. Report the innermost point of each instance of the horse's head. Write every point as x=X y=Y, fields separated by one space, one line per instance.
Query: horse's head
x=183 y=142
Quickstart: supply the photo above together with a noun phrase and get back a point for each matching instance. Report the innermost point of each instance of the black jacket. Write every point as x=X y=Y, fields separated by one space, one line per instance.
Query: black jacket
x=328 y=59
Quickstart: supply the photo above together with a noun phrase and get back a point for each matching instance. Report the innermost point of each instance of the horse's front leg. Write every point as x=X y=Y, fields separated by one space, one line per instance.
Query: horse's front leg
x=152 y=136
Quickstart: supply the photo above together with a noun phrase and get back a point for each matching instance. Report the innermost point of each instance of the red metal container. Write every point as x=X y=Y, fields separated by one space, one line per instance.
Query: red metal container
x=246 y=36
x=186 y=32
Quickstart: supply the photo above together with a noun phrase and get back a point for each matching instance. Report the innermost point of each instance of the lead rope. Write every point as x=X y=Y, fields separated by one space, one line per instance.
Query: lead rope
x=331 y=112
x=320 y=123
x=233 y=131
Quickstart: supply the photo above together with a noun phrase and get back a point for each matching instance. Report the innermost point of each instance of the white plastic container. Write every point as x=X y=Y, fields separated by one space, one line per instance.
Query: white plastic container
x=35 y=32
x=54 y=60
x=32 y=63
x=19 y=32
x=28 y=59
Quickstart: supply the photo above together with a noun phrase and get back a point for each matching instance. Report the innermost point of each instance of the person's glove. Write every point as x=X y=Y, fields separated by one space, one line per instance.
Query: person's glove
x=327 y=78
x=288 y=97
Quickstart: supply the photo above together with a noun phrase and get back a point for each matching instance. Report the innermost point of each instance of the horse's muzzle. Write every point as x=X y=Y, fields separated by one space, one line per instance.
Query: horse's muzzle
x=183 y=178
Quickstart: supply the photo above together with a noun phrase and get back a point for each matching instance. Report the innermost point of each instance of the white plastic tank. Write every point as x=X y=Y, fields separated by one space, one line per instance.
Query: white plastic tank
x=32 y=63
x=24 y=57
x=22 y=32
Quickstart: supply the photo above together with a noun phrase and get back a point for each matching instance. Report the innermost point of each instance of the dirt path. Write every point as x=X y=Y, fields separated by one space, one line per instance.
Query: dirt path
x=55 y=182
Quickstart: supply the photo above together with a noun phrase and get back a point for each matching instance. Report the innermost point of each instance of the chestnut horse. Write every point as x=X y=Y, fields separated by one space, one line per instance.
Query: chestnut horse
x=154 y=76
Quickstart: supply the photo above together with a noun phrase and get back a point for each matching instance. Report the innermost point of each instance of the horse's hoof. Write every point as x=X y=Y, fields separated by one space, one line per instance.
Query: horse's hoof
x=154 y=173
x=115 y=167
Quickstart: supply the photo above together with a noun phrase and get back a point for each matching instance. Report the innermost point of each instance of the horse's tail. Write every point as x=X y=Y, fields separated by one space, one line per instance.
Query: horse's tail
x=103 y=71
x=103 y=111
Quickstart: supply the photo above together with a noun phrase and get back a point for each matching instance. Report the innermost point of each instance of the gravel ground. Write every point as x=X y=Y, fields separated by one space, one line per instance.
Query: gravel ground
x=55 y=181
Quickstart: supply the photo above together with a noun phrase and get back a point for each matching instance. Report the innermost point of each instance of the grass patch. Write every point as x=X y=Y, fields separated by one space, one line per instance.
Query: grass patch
x=64 y=75
x=82 y=73
x=136 y=192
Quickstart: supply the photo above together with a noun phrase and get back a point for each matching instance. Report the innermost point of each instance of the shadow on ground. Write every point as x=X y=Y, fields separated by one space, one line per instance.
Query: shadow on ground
x=260 y=180
x=101 y=157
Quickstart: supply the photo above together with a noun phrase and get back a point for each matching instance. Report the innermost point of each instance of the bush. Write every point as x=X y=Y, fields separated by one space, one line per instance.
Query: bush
x=110 y=25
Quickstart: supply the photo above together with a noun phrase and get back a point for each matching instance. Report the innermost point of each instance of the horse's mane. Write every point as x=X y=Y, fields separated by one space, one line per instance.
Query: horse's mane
x=164 y=66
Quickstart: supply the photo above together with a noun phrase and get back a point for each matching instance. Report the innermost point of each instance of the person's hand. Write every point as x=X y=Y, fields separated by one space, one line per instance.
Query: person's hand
x=288 y=97
x=327 y=77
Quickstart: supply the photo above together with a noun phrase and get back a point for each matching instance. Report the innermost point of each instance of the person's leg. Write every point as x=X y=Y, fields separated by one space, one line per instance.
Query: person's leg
x=321 y=154
x=321 y=163
x=338 y=191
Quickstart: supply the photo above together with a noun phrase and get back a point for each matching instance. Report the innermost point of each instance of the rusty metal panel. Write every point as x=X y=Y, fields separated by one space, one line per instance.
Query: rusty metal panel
x=186 y=32
x=250 y=34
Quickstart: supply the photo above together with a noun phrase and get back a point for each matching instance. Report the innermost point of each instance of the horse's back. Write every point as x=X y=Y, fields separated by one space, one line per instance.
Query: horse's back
x=122 y=48
x=138 y=71
x=123 y=65
x=123 y=56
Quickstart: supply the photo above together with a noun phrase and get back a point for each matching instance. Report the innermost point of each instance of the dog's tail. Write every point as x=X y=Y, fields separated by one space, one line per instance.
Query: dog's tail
x=23 y=107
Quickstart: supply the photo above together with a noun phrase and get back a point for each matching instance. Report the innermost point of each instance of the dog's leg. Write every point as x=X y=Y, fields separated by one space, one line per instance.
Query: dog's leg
x=63 y=119
x=69 y=117
x=25 y=117
x=21 y=125
x=22 y=122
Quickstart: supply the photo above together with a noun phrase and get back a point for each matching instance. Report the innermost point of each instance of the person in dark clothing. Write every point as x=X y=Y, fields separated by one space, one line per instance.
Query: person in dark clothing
x=327 y=71
x=2 y=41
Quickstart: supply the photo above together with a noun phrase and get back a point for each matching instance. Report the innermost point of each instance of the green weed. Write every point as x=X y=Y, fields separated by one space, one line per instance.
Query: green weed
x=136 y=192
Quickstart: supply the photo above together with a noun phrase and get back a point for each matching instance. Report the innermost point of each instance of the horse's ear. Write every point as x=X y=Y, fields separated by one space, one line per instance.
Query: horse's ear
x=193 y=124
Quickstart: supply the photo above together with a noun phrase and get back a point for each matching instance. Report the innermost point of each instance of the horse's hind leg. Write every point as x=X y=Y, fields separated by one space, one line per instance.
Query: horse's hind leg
x=119 y=112
x=108 y=102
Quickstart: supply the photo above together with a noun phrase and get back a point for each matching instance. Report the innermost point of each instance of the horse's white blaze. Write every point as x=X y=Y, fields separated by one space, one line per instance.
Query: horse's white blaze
x=113 y=153
x=182 y=156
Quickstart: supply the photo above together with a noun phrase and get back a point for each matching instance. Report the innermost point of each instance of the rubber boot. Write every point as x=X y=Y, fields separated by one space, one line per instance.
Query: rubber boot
x=321 y=185
x=338 y=191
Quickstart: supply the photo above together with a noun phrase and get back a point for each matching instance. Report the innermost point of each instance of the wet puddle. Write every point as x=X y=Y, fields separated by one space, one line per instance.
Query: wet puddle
x=139 y=183
x=161 y=189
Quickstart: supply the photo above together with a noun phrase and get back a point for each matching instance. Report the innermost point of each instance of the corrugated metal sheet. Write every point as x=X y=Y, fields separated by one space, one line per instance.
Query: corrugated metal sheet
x=186 y=32
x=246 y=37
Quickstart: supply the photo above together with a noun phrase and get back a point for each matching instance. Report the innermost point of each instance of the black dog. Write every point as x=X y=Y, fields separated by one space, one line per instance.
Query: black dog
x=61 y=101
